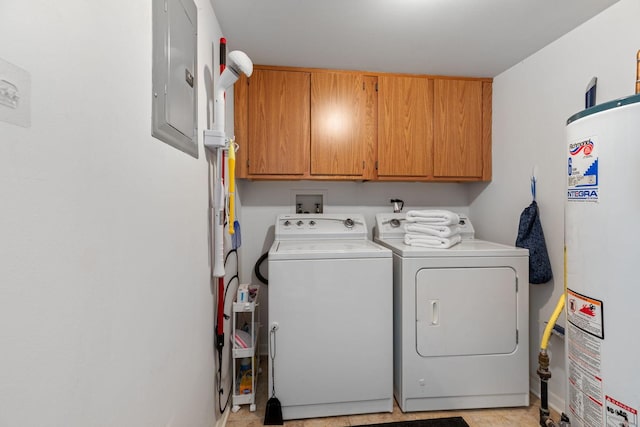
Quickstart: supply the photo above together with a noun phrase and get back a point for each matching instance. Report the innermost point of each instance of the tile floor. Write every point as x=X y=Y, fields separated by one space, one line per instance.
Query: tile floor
x=509 y=417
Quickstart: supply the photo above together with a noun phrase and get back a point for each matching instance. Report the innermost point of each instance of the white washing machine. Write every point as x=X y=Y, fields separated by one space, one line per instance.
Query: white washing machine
x=460 y=321
x=330 y=295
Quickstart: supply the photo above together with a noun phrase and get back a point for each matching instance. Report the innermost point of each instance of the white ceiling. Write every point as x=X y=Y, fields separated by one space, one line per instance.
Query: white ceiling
x=480 y=38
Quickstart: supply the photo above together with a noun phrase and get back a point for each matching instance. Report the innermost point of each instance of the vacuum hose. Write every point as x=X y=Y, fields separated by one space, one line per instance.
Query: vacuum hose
x=256 y=268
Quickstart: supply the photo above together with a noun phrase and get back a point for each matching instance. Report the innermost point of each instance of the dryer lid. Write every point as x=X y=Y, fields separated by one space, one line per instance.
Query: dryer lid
x=466 y=248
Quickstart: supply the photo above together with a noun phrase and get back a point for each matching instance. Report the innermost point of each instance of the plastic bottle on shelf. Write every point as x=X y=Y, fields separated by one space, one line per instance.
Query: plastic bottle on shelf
x=246 y=376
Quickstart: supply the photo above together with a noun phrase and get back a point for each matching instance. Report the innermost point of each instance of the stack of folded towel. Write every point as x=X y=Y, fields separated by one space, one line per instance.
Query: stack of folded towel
x=432 y=229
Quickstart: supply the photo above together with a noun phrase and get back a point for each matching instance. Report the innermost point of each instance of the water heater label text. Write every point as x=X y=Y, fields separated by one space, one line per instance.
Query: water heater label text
x=582 y=170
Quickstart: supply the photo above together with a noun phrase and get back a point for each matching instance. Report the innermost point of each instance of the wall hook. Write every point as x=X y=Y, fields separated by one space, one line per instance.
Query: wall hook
x=534 y=180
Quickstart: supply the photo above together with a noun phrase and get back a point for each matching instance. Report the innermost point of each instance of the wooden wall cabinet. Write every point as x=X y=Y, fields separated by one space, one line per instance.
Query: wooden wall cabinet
x=462 y=129
x=305 y=124
x=295 y=123
x=405 y=122
x=434 y=129
x=342 y=125
x=278 y=123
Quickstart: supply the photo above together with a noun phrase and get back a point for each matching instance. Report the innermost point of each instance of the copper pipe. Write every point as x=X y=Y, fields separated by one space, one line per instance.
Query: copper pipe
x=638 y=72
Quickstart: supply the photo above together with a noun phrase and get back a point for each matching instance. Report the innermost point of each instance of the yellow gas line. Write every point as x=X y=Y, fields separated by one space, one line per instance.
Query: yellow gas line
x=556 y=312
x=552 y=322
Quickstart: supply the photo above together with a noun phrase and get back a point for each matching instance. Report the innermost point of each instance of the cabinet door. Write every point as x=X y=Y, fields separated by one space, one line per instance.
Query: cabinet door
x=338 y=124
x=279 y=122
x=405 y=138
x=458 y=145
x=241 y=124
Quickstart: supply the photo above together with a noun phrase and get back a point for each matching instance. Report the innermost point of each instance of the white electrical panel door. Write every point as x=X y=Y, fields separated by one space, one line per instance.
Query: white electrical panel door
x=466 y=311
x=174 y=74
x=180 y=105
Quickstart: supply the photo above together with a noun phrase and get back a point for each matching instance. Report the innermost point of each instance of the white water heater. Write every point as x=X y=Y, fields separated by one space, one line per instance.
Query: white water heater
x=602 y=244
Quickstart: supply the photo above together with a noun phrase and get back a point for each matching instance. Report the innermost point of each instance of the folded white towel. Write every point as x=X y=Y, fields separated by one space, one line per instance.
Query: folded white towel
x=435 y=217
x=431 y=241
x=431 y=229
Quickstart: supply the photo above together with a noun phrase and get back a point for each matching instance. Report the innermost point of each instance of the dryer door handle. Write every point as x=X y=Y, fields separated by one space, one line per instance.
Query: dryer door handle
x=435 y=312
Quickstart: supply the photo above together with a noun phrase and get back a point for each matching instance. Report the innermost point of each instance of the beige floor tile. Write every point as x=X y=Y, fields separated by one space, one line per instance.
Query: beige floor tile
x=384 y=417
x=327 y=422
x=501 y=417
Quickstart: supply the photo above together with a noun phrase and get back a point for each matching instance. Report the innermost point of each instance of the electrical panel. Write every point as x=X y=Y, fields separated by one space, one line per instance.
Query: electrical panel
x=174 y=91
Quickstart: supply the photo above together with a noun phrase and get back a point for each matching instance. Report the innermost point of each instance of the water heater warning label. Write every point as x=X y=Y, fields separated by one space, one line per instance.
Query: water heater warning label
x=582 y=168
x=619 y=414
x=585 y=313
x=586 y=394
x=585 y=333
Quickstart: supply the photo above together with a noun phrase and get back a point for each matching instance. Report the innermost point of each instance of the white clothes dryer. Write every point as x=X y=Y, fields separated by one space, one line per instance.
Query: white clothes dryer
x=460 y=321
x=330 y=295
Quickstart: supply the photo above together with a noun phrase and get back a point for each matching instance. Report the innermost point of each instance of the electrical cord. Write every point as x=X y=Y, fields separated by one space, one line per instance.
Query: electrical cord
x=226 y=317
x=235 y=276
x=232 y=251
x=221 y=390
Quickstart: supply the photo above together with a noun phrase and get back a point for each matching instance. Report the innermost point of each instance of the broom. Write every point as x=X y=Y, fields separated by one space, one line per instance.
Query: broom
x=273 y=412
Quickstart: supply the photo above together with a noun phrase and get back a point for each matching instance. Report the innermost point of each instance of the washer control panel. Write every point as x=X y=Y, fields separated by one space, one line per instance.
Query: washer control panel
x=321 y=226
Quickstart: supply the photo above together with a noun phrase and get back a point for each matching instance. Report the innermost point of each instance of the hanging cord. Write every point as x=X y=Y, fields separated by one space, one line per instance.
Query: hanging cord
x=221 y=390
x=272 y=338
x=235 y=276
x=226 y=317
x=226 y=258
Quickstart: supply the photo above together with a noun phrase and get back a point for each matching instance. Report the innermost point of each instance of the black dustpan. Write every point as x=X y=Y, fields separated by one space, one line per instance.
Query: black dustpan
x=273 y=412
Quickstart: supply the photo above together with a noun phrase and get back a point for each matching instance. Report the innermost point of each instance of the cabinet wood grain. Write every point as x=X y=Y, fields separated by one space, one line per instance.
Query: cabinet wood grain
x=405 y=138
x=487 y=114
x=241 y=124
x=338 y=124
x=458 y=128
x=307 y=123
x=279 y=122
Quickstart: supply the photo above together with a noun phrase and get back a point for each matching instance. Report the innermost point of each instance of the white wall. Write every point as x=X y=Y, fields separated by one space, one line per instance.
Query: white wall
x=531 y=103
x=106 y=305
